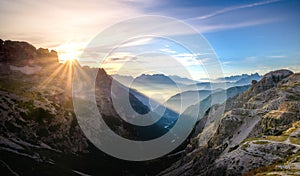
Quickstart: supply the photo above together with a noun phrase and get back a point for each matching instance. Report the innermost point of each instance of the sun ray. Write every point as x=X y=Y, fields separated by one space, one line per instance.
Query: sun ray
x=53 y=75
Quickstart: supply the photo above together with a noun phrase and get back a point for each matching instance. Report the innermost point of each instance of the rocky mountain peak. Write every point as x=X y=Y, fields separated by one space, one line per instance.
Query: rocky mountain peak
x=269 y=80
x=20 y=53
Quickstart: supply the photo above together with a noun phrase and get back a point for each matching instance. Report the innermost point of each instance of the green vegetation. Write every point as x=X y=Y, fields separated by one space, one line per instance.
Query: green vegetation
x=295 y=140
x=277 y=138
x=261 y=170
x=245 y=146
x=251 y=139
x=260 y=142
x=265 y=170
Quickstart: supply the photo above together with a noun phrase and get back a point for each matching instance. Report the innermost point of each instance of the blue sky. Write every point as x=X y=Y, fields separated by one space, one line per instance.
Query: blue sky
x=248 y=36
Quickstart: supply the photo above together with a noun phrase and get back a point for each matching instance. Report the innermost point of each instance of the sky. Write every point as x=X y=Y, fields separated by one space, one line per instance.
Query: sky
x=247 y=36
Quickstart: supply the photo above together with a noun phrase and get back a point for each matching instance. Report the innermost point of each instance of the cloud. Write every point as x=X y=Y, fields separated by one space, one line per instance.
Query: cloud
x=226 y=62
x=167 y=50
x=120 y=57
x=204 y=28
x=191 y=54
x=219 y=12
x=188 y=59
x=60 y=21
x=251 y=59
x=277 y=56
x=137 y=42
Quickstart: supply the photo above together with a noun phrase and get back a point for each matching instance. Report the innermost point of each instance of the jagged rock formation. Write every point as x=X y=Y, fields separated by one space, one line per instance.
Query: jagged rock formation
x=259 y=129
x=23 y=53
x=39 y=133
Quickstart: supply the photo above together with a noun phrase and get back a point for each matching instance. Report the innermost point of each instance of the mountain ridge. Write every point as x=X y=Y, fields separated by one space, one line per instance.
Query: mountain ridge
x=256 y=134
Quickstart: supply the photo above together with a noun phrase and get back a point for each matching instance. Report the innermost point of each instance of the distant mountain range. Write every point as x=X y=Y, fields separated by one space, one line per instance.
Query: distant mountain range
x=181 y=101
x=173 y=85
x=217 y=97
x=236 y=78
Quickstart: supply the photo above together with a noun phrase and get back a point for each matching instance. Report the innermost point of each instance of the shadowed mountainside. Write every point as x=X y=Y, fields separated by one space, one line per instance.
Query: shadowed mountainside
x=39 y=133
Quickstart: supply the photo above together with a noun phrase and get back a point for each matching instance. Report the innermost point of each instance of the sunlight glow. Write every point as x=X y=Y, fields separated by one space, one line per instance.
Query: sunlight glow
x=68 y=52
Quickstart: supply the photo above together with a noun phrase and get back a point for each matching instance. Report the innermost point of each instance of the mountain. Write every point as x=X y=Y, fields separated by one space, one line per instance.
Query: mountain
x=23 y=53
x=233 y=81
x=258 y=134
x=125 y=80
x=236 y=78
x=39 y=132
x=158 y=87
x=248 y=79
x=250 y=130
x=154 y=79
x=172 y=87
x=182 y=80
x=205 y=86
x=181 y=101
x=199 y=109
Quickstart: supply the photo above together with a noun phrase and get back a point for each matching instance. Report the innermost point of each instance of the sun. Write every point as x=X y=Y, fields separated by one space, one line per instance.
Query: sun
x=68 y=55
x=68 y=52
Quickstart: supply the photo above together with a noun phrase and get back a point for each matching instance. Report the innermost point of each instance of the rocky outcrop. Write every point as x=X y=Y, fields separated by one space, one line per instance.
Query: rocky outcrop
x=22 y=53
x=256 y=131
x=270 y=80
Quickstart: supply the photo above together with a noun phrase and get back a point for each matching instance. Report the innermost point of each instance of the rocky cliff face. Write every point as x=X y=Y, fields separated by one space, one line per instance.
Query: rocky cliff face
x=23 y=53
x=39 y=133
x=258 y=133
x=36 y=107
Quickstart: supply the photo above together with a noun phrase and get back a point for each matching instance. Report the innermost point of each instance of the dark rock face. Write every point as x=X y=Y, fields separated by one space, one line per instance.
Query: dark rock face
x=253 y=82
x=39 y=133
x=23 y=53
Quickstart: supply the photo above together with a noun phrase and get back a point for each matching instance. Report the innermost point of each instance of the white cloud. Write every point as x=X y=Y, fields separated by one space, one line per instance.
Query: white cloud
x=204 y=28
x=251 y=59
x=226 y=62
x=219 y=12
x=277 y=56
x=167 y=50
x=137 y=42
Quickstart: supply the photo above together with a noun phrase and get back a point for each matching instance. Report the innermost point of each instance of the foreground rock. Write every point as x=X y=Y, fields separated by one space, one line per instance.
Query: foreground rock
x=258 y=131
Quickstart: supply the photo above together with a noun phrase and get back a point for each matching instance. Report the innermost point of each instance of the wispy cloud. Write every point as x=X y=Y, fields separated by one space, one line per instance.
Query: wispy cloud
x=167 y=50
x=218 y=27
x=120 y=57
x=137 y=42
x=277 y=56
x=230 y=9
x=226 y=62
x=251 y=59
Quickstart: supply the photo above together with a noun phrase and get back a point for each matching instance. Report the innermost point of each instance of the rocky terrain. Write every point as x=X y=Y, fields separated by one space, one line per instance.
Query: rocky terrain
x=258 y=133
x=39 y=133
x=255 y=132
